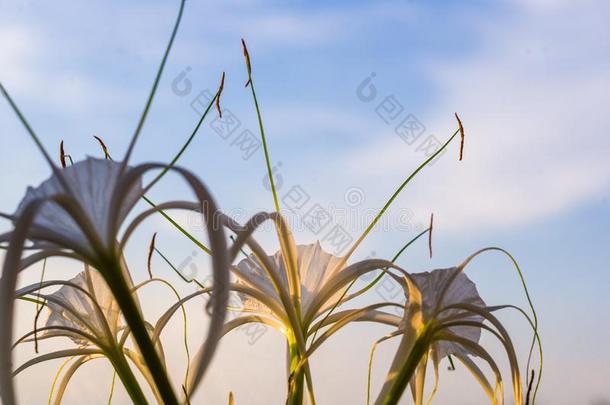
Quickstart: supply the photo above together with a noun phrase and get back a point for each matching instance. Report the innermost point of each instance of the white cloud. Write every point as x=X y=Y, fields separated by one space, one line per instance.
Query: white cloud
x=533 y=102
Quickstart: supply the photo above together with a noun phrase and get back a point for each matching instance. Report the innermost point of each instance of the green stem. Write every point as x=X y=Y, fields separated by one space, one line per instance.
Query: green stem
x=393 y=197
x=185 y=145
x=264 y=140
x=418 y=351
x=112 y=384
x=153 y=91
x=132 y=316
x=368 y=286
x=178 y=272
x=180 y=228
x=296 y=381
x=122 y=369
x=27 y=126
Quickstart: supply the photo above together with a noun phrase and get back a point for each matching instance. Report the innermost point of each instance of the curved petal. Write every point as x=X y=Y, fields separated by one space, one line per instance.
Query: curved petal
x=288 y=248
x=67 y=305
x=68 y=376
x=82 y=214
x=220 y=260
x=479 y=376
x=507 y=342
x=479 y=351
x=293 y=318
x=242 y=320
x=8 y=283
x=244 y=236
x=536 y=337
x=45 y=254
x=349 y=273
x=371 y=356
x=61 y=331
x=369 y=316
x=137 y=360
x=442 y=287
x=165 y=318
x=56 y=355
x=340 y=323
x=527 y=296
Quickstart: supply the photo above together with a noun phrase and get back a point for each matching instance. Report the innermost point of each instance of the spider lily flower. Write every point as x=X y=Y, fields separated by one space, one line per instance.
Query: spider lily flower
x=78 y=213
x=69 y=307
x=86 y=227
x=85 y=311
x=315 y=268
x=290 y=290
x=262 y=303
x=449 y=322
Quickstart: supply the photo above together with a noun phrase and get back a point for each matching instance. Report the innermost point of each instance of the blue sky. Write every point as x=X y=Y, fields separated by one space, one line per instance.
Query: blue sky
x=529 y=79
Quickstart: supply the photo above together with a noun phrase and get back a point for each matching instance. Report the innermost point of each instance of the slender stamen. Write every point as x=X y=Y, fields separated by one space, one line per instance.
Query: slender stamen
x=461 y=135
x=248 y=65
x=451 y=363
x=222 y=86
x=430 y=234
x=62 y=154
x=103 y=145
x=260 y=125
x=151 y=250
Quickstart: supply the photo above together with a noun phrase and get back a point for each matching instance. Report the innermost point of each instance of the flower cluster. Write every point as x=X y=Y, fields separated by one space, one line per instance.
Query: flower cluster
x=88 y=211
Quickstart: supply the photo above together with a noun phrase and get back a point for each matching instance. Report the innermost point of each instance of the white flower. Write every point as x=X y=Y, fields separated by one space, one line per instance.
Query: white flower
x=461 y=291
x=291 y=290
x=85 y=311
x=91 y=309
x=92 y=183
x=446 y=318
x=78 y=213
x=315 y=268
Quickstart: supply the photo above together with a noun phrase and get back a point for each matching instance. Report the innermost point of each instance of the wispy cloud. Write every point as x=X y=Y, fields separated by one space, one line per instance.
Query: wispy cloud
x=532 y=104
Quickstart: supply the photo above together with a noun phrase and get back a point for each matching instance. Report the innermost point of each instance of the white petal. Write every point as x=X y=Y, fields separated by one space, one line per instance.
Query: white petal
x=82 y=304
x=315 y=266
x=92 y=181
x=462 y=290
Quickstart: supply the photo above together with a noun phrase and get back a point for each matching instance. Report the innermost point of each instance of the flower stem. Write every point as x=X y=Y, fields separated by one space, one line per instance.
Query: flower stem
x=417 y=352
x=131 y=313
x=153 y=91
x=260 y=126
x=122 y=369
x=296 y=380
x=393 y=197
